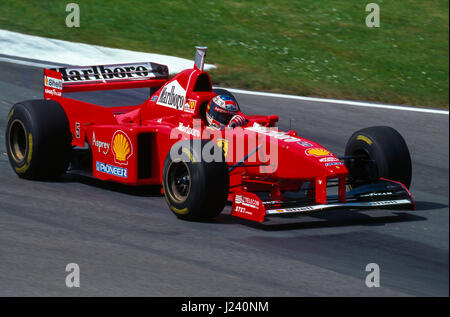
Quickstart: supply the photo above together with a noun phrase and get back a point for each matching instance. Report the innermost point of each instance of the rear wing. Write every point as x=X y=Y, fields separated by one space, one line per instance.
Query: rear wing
x=103 y=77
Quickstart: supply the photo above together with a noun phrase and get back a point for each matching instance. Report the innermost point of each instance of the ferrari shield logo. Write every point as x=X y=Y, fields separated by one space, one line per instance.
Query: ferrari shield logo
x=223 y=144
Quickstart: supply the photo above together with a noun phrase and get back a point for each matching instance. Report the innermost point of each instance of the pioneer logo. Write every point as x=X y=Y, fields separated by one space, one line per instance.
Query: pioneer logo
x=112 y=72
x=172 y=95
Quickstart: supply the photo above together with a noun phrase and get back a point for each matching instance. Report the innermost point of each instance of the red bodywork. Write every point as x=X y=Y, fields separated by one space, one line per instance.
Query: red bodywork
x=129 y=144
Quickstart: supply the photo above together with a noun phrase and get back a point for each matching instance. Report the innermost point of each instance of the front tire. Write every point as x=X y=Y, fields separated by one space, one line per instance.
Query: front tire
x=195 y=189
x=38 y=139
x=381 y=152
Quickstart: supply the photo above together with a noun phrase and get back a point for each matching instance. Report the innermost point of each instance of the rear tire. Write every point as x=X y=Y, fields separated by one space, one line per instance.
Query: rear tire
x=195 y=189
x=38 y=139
x=388 y=151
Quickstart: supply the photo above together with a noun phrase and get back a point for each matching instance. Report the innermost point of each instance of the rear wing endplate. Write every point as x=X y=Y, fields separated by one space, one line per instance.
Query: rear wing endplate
x=103 y=77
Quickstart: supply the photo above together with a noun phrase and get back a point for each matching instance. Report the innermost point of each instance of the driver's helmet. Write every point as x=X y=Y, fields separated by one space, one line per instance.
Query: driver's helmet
x=220 y=110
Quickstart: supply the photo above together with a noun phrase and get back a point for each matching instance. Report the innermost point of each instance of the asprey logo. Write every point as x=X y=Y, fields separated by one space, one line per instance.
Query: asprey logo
x=172 y=95
x=101 y=146
x=122 y=147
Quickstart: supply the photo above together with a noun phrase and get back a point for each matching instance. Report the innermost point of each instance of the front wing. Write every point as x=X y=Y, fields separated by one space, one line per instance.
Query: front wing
x=386 y=193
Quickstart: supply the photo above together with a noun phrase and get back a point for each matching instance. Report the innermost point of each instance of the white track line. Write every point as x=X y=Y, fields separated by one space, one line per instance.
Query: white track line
x=336 y=101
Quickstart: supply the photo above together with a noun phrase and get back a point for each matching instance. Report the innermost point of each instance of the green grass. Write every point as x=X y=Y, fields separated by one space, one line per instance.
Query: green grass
x=309 y=47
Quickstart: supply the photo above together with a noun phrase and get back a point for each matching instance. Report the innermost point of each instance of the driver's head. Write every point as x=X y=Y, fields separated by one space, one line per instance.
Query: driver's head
x=220 y=110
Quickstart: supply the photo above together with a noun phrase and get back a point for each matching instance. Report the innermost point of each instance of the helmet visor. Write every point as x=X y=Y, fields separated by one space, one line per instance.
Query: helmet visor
x=219 y=115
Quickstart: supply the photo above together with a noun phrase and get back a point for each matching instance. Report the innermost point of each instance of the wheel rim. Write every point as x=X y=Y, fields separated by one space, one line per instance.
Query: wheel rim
x=18 y=144
x=178 y=181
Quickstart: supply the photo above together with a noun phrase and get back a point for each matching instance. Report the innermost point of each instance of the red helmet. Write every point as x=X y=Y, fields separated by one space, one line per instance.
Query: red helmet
x=220 y=110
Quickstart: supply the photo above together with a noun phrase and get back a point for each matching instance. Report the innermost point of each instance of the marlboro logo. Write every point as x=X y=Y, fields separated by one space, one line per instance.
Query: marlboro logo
x=113 y=72
x=172 y=95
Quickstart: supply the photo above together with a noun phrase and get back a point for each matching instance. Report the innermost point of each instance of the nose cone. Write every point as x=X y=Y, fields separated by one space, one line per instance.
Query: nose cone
x=292 y=157
x=307 y=159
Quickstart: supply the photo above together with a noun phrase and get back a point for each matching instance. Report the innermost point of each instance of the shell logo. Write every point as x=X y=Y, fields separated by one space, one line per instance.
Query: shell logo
x=122 y=148
x=317 y=152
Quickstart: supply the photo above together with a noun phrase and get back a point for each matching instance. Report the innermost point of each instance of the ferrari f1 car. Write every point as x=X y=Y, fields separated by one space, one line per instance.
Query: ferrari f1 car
x=166 y=141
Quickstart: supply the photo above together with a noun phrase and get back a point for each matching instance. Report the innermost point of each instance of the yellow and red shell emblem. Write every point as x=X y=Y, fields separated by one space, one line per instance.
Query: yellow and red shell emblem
x=122 y=148
x=317 y=152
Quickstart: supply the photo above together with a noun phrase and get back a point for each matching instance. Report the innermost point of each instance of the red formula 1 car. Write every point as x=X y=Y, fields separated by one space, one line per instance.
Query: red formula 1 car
x=166 y=141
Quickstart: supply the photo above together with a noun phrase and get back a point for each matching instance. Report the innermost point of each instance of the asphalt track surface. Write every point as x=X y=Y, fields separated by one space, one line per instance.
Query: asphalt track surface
x=127 y=242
